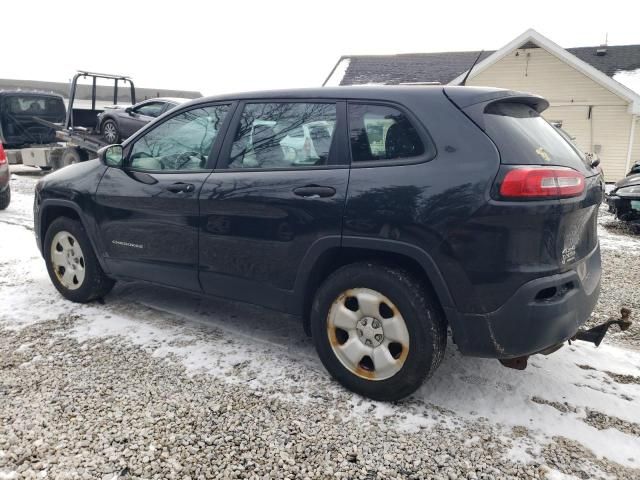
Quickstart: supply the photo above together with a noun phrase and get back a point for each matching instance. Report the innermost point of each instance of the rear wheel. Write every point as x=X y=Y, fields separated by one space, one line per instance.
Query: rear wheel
x=71 y=263
x=376 y=330
x=110 y=132
x=5 y=198
x=70 y=156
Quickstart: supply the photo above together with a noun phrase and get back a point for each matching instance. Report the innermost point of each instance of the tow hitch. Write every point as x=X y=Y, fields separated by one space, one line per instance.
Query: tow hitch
x=597 y=333
x=593 y=335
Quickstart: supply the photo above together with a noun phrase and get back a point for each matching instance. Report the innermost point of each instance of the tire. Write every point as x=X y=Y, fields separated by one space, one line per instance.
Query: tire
x=68 y=157
x=110 y=131
x=5 y=198
x=87 y=281
x=386 y=298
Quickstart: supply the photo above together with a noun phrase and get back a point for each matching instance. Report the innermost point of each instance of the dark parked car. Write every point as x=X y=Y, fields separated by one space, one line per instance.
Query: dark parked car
x=117 y=122
x=624 y=199
x=5 y=189
x=426 y=208
x=17 y=112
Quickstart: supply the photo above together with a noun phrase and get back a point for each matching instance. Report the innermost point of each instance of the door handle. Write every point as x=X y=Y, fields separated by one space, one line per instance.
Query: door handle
x=180 y=187
x=314 y=191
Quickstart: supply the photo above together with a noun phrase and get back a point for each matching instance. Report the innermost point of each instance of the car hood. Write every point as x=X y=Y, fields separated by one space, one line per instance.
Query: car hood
x=627 y=181
x=67 y=182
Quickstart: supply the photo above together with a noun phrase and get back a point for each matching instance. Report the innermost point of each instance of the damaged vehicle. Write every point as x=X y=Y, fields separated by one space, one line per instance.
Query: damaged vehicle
x=624 y=199
x=412 y=212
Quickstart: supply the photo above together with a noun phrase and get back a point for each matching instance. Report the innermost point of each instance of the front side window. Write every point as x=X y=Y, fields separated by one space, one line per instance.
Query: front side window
x=181 y=143
x=152 y=109
x=378 y=132
x=283 y=135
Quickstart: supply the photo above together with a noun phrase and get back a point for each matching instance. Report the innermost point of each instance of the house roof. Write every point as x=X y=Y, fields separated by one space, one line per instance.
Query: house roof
x=443 y=67
x=599 y=63
x=408 y=68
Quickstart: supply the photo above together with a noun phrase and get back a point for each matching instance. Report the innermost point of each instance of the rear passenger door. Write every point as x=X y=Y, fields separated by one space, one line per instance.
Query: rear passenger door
x=275 y=200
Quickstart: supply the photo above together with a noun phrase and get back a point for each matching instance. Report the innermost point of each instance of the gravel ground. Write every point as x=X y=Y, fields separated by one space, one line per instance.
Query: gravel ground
x=164 y=385
x=620 y=281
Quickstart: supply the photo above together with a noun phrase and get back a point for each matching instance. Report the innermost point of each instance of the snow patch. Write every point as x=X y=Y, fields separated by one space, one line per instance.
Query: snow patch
x=269 y=351
x=338 y=74
x=629 y=78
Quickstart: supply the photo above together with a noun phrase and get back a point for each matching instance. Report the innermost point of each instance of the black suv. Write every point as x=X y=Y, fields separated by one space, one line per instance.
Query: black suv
x=382 y=216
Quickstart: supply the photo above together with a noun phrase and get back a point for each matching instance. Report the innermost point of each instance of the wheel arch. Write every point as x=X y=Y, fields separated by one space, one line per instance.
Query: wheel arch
x=56 y=208
x=355 y=249
x=104 y=119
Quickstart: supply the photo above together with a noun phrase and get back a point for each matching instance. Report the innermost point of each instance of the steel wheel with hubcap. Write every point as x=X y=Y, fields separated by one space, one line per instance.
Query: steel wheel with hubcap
x=72 y=265
x=67 y=260
x=368 y=334
x=376 y=329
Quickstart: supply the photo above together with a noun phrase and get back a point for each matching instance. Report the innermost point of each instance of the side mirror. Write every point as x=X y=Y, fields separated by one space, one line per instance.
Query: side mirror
x=111 y=156
x=129 y=110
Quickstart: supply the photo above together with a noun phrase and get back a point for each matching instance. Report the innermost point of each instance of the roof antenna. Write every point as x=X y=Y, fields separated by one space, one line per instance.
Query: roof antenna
x=464 y=80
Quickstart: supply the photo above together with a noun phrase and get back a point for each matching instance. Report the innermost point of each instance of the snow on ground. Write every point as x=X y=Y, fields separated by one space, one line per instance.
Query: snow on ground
x=555 y=397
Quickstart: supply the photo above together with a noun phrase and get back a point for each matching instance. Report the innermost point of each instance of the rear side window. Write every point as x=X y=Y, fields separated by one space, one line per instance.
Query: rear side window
x=525 y=138
x=36 y=106
x=283 y=135
x=379 y=132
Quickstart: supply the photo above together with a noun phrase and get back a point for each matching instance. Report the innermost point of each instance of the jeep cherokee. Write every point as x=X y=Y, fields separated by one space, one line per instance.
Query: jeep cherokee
x=402 y=212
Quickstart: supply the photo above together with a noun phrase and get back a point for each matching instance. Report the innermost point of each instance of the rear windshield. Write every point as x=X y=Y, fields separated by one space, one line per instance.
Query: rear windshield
x=36 y=106
x=525 y=138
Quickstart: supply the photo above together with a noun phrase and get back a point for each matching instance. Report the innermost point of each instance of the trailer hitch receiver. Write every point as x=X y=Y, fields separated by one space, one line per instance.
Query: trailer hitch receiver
x=597 y=333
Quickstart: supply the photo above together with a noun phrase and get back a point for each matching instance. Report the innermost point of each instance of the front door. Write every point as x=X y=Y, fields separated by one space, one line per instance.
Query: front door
x=276 y=196
x=147 y=211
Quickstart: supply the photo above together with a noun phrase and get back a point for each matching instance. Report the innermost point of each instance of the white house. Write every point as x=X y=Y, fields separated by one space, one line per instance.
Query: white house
x=594 y=92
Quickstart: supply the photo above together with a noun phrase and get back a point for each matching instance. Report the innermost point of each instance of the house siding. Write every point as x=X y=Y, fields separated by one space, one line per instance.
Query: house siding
x=635 y=151
x=570 y=93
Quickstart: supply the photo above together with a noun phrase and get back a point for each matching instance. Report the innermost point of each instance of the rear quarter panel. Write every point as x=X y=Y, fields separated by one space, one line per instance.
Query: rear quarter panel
x=429 y=205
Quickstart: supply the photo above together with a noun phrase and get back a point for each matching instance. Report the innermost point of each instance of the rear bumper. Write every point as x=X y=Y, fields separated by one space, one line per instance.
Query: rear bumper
x=542 y=313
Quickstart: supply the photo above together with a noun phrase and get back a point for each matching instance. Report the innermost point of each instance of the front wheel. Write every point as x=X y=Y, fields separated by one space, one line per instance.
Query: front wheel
x=377 y=331
x=73 y=267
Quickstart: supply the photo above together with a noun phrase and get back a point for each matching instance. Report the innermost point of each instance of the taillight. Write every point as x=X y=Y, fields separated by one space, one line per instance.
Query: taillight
x=3 y=156
x=541 y=182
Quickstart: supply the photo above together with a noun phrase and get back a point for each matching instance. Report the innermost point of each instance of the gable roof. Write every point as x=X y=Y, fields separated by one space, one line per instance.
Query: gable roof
x=450 y=67
x=408 y=68
x=536 y=39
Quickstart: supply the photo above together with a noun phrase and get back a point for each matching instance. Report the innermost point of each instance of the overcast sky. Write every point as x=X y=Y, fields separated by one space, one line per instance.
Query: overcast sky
x=227 y=46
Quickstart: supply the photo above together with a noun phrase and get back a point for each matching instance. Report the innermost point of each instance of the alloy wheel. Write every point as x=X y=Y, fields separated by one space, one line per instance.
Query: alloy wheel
x=110 y=132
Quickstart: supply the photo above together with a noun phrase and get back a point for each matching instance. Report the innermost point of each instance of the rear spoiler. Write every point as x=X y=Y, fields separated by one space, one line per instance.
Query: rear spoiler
x=473 y=101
